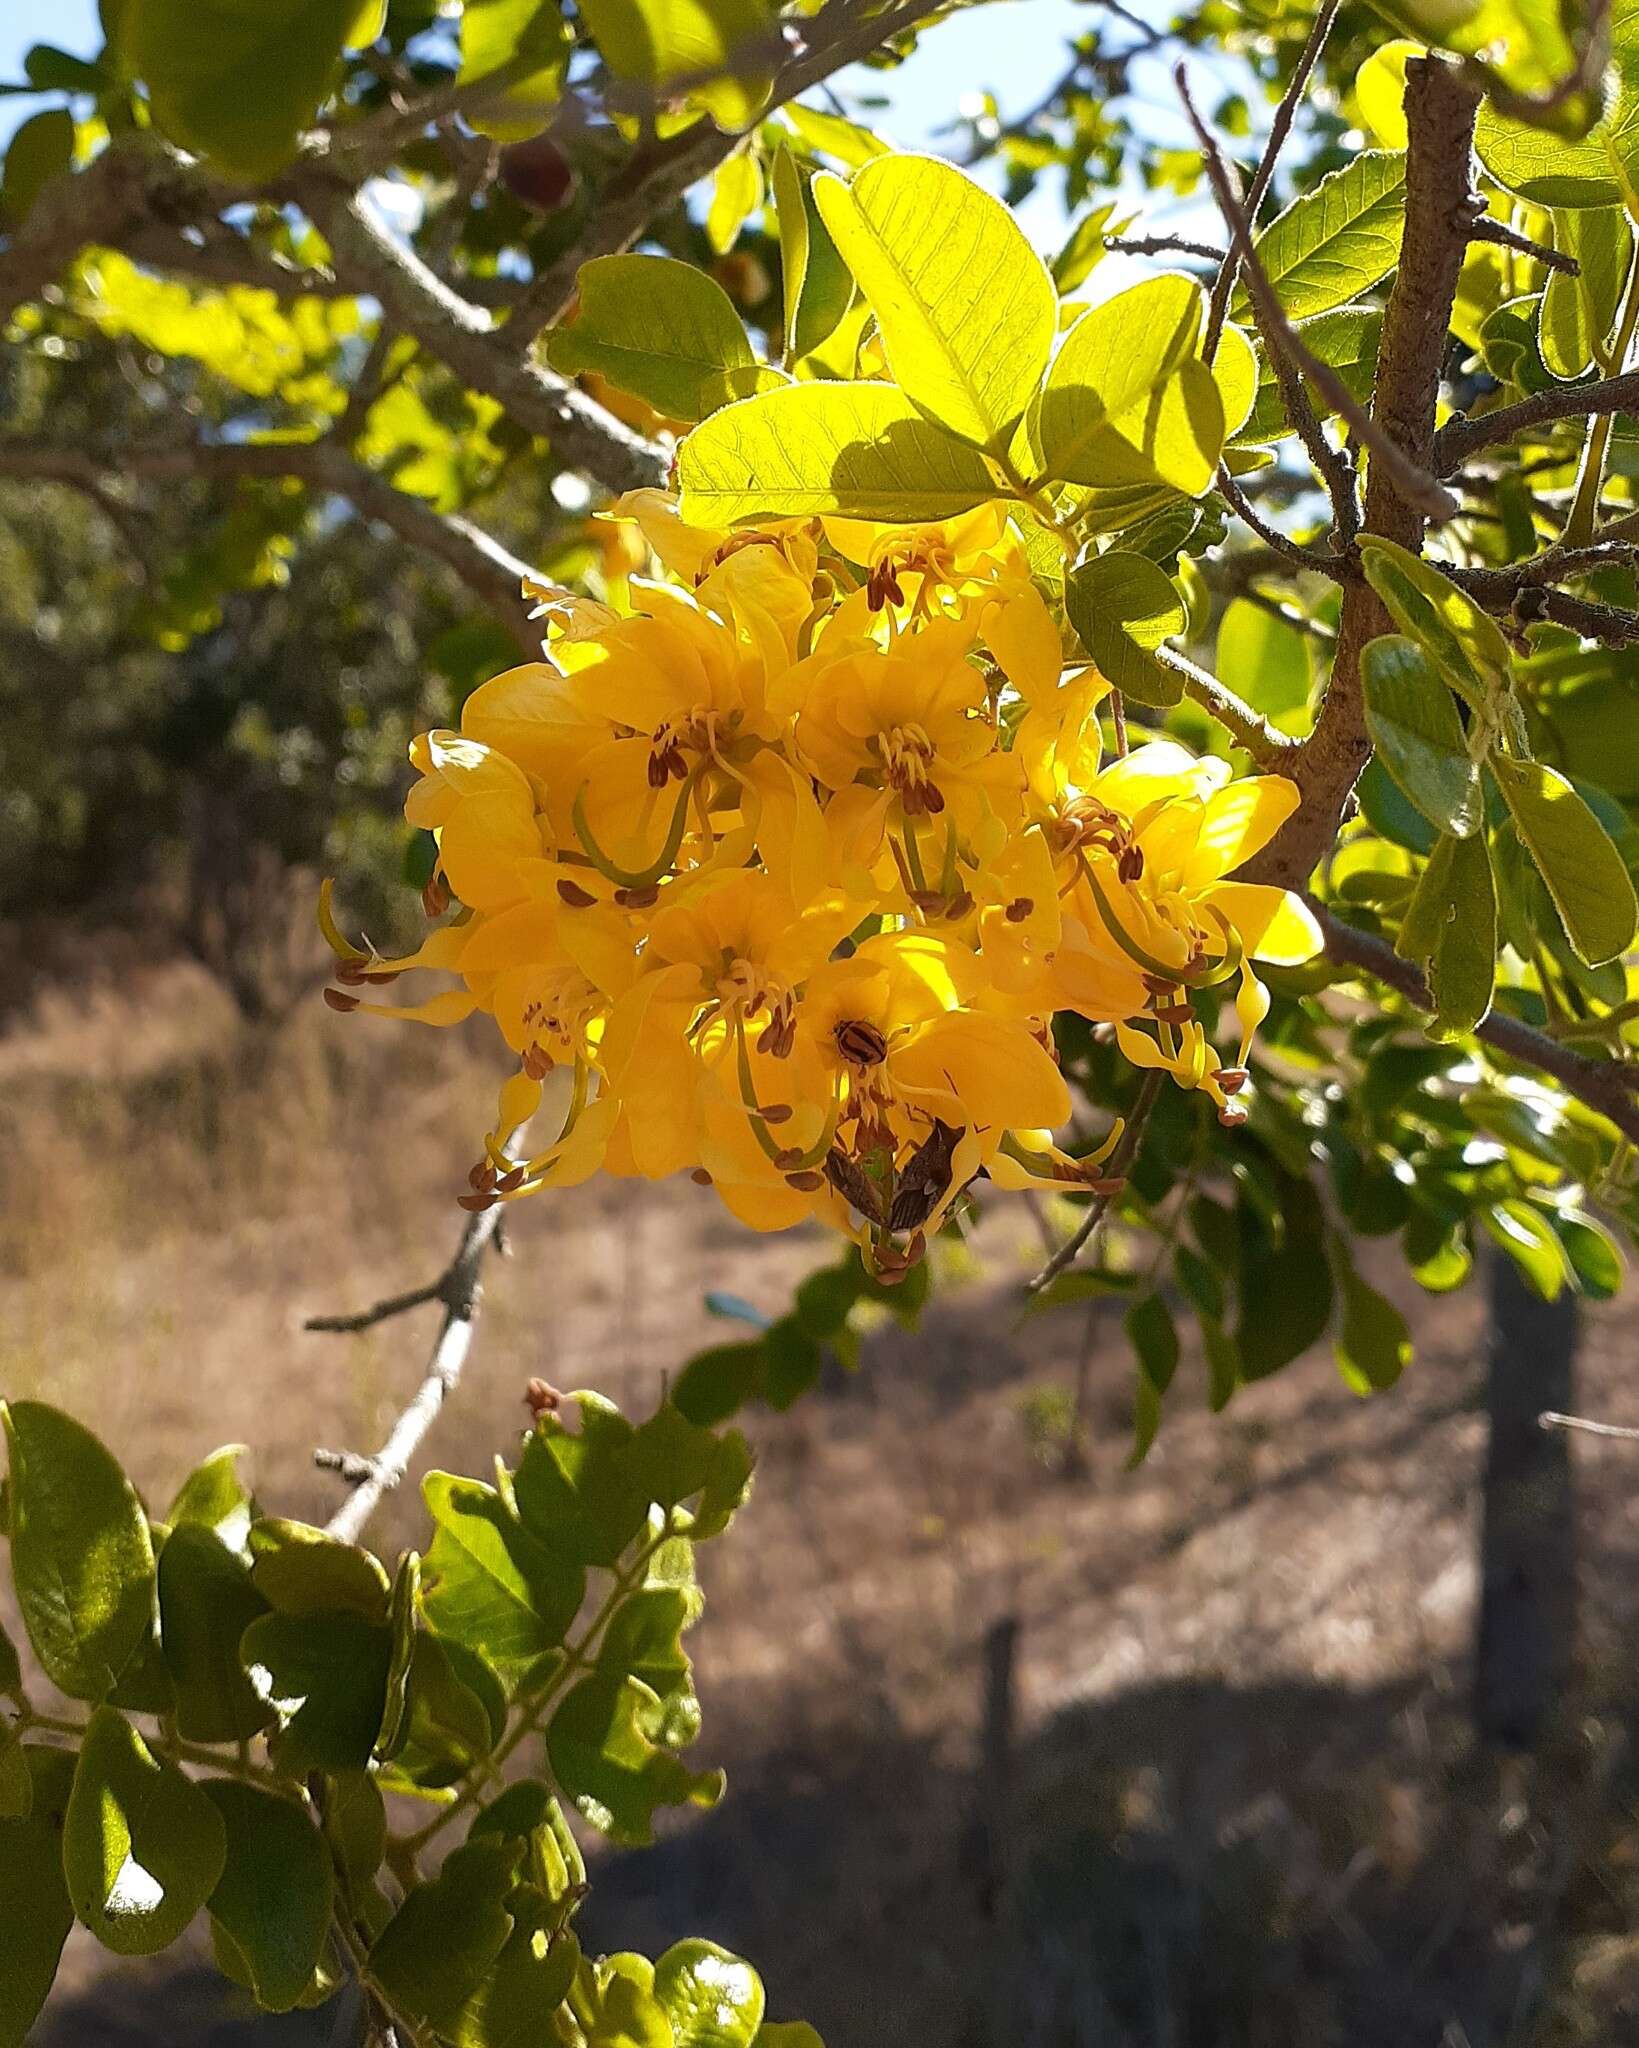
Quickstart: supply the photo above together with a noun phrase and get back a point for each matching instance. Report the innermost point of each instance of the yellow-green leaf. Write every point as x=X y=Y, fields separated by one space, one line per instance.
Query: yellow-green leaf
x=1129 y=401
x=1546 y=168
x=493 y=33
x=725 y=49
x=861 y=450
x=736 y=194
x=1465 y=643
x=1574 y=855
x=834 y=135
x=237 y=80
x=664 y=331
x=965 y=305
x=1380 y=90
x=1373 y=1344
x=1451 y=925
x=712 y=1998
x=1333 y=243
x=1123 y=606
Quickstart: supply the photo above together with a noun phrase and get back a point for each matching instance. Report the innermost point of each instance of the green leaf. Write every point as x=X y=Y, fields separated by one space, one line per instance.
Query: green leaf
x=672 y=1459
x=526 y=1812
x=1264 y=658
x=354 y=1819
x=237 y=80
x=1451 y=924
x=326 y=1674
x=1595 y=1256
x=298 y=1569
x=1463 y=642
x=736 y=194
x=395 y=1715
x=143 y=1847
x=437 y=1948
x=1347 y=339
x=1123 y=607
x=493 y=33
x=1545 y=168
x=274 y=1896
x=1579 y=309
x=214 y=1497
x=717 y=1383
x=457 y=1709
x=1524 y=1234
x=1418 y=735
x=1128 y=400
x=1574 y=855
x=1154 y=1338
x=206 y=1602
x=1337 y=240
x=35 y=1910
x=791 y=216
x=602 y=1746
x=433 y=1954
x=664 y=331
x=644 y=1640
x=834 y=135
x=81 y=1556
x=965 y=306
x=1373 y=1345
x=718 y=53
x=42 y=148
x=712 y=1998
x=490 y=1581
x=582 y=1493
x=1223 y=1362
x=827 y=283
x=859 y=450
x=1286 y=1290
x=512 y=2007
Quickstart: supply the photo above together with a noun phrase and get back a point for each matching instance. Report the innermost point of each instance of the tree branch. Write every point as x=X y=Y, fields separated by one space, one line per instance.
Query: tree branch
x=1279 y=129
x=1440 y=110
x=1603 y=1085
x=1248 y=728
x=460 y=1290
x=460 y=334
x=488 y=569
x=1116 y=1170
x=1463 y=436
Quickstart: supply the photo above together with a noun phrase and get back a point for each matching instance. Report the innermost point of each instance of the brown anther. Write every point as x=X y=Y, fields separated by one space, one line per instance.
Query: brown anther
x=1231 y=1079
x=1129 y=864
x=1175 y=1013
x=860 y=1044
x=476 y=1203
x=638 y=899
x=958 y=905
x=778 y=1035
x=922 y=799
x=1019 y=909
x=700 y=1177
x=789 y=1158
x=536 y=1063
x=1232 y=1114
x=512 y=1179
x=777 y=1112
x=542 y=1398
x=806 y=1182
x=882 y=586
x=1106 y=1184
x=575 y=896
x=381 y=977
x=338 y=999
x=666 y=764
x=435 y=896
x=482 y=1177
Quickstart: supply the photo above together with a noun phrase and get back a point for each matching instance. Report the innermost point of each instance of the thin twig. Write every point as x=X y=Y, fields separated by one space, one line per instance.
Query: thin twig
x=1551 y=1419
x=1163 y=245
x=1116 y=1169
x=1283 y=544
x=1485 y=227
x=1248 y=728
x=1412 y=481
x=1461 y=437
x=459 y=1289
x=1279 y=129
x=1604 y=1085
x=1599 y=622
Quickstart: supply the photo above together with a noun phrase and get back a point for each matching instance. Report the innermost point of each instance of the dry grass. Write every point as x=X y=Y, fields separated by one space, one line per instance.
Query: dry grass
x=1248 y=1809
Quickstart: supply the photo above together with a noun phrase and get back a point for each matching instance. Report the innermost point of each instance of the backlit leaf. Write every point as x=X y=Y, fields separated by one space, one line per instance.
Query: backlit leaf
x=965 y=306
x=214 y=1497
x=1104 y=415
x=493 y=34
x=81 y=1556
x=1373 y=1345
x=861 y=450
x=662 y=330
x=1336 y=241
x=433 y=1954
x=1123 y=607
x=602 y=1746
x=712 y=1998
x=719 y=53
x=1464 y=642
x=492 y=1583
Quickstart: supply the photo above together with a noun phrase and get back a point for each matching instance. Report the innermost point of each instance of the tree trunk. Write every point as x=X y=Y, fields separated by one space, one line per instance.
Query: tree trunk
x=1527 y=1542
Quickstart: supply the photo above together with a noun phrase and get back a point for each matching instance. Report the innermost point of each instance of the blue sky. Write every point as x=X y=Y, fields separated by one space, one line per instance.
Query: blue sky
x=1014 y=48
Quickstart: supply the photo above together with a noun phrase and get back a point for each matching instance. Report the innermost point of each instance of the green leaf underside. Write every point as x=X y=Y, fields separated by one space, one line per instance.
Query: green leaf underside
x=1123 y=607
x=274 y=1896
x=1414 y=726
x=1574 y=855
x=663 y=331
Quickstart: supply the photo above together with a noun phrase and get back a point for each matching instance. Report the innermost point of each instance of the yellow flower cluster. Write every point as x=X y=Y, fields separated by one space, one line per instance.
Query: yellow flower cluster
x=788 y=863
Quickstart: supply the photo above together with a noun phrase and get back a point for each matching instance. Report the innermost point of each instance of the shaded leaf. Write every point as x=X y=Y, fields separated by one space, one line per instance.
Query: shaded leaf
x=35 y=1910
x=1574 y=855
x=1122 y=607
x=206 y=1602
x=603 y=1750
x=326 y=1675
x=1418 y=735
x=433 y=1954
x=273 y=1898
x=143 y=1847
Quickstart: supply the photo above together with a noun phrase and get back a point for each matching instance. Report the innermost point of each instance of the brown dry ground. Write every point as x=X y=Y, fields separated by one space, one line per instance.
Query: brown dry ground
x=1244 y=1809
